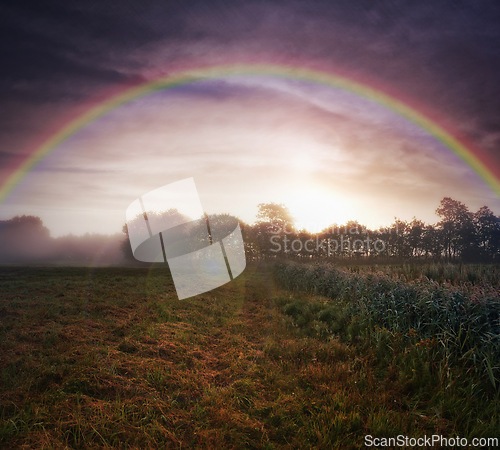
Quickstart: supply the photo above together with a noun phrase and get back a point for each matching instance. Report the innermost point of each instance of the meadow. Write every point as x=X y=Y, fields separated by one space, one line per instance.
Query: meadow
x=285 y=356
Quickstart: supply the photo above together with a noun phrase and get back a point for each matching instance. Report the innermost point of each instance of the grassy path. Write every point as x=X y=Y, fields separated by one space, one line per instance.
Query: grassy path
x=110 y=357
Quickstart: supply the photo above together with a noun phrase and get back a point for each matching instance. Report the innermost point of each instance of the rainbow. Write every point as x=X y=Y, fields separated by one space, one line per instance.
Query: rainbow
x=471 y=155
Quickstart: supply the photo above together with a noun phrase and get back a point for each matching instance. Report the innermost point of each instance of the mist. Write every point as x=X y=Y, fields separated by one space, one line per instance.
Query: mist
x=25 y=240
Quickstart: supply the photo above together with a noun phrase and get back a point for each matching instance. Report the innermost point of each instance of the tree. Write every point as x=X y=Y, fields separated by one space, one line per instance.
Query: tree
x=487 y=227
x=275 y=214
x=250 y=241
x=274 y=226
x=125 y=246
x=177 y=231
x=415 y=237
x=432 y=241
x=24 y=238
x=397 y=239
x=457 y=227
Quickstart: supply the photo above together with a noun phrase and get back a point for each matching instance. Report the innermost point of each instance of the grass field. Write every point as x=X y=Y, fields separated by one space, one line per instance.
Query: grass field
x=110 y=357
x=452 y=273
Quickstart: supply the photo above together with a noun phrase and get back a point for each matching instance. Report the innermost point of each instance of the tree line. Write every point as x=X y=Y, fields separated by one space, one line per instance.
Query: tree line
x=459 y=235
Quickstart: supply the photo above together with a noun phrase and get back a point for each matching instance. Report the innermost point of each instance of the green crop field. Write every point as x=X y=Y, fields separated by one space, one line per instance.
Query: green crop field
x=286 y=355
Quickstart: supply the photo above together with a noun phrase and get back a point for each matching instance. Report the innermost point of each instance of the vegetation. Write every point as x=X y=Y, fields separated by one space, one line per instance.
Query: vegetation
x=441 y=272
x=459 y=236
x=317 y=344
x=461 y=321
x=110 y=357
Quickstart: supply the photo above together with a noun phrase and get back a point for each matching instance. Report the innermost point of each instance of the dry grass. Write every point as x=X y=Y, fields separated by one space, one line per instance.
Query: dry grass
x=110 y=357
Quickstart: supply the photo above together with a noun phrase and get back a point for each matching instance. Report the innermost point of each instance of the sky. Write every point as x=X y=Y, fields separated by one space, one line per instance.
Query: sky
x=328 y=154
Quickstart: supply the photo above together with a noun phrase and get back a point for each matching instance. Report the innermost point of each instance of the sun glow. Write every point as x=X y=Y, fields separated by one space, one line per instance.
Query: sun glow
x=303 y=162
x=315 y=208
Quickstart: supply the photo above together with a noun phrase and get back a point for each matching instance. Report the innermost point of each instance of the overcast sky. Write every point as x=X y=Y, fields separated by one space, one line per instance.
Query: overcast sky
x=328 y=154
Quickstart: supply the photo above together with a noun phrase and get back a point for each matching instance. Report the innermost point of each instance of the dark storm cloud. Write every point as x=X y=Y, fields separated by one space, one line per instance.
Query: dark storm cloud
x=447 y=52
x=51 y=50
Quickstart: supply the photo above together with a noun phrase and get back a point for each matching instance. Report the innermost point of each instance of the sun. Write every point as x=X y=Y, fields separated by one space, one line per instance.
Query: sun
x=315 y=208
